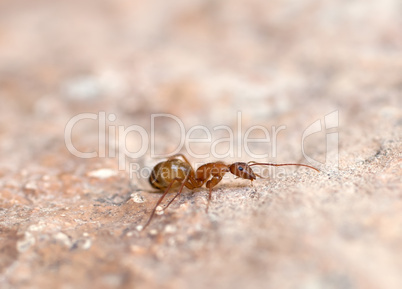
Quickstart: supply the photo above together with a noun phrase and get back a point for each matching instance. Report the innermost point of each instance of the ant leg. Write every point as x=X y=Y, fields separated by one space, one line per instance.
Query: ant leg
x=177 y=194
x=209 y=199
x=189 y=183
x=159 y=201
x=210 y=184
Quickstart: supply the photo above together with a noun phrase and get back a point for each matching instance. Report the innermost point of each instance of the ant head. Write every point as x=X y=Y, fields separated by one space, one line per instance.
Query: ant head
x=242 y=170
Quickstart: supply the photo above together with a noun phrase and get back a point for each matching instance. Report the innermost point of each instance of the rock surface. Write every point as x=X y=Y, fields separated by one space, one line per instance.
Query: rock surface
x=71 y=206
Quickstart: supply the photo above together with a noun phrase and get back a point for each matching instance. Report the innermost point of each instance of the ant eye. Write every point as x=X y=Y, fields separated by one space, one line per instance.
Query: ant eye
x=240 y=168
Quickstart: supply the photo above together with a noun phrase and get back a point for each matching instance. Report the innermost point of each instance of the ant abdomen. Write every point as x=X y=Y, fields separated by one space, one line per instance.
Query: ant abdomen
x=165 y=172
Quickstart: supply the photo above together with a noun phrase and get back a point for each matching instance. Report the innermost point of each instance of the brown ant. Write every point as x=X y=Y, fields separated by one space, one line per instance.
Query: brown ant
x=175 y=172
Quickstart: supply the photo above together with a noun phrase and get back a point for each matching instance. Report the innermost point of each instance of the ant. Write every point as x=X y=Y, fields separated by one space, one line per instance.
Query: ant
x=176 y=172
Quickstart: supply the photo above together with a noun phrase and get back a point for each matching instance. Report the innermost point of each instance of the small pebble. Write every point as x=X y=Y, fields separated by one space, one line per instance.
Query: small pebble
x=26 y=243
x=102 y=173
x=159 y=210
x=137 y=198
x=170 y=229
x=31 y=186
x=87 y=244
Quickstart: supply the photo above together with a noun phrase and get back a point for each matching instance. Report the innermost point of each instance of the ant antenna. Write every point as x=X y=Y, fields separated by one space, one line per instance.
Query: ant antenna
x=253 y=163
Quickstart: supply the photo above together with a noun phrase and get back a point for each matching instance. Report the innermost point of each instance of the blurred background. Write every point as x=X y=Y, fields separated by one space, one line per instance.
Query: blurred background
x=277 y=63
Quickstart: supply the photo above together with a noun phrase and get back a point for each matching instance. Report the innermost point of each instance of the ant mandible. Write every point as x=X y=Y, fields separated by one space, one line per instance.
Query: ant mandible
x=176 y=172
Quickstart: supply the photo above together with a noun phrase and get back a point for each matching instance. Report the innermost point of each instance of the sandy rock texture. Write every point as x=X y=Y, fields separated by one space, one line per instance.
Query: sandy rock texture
x=82 y=90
